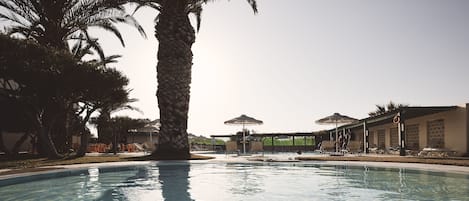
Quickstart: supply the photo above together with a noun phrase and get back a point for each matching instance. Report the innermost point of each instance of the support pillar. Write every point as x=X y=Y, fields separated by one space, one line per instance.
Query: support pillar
x=304 y=141
x=213 y=143
x=273 y=146
x=343 y=139
x=401 y=133
x=467 y=129
x=402 y=139
x=365 y=138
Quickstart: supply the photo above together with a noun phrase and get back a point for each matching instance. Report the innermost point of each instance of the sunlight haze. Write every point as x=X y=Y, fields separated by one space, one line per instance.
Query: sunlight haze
x=298 y=61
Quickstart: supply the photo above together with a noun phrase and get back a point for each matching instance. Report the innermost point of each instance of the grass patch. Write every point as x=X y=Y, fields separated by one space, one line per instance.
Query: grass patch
x=299 y=141
x=34 y=162
x=29 y=162
x=26 y=170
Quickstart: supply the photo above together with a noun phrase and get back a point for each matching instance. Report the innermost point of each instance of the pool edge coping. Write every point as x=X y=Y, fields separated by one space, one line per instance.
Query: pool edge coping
x=416 y=166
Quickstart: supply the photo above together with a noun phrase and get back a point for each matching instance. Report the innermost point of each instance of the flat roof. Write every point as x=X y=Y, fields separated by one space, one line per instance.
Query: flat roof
x=405 y=112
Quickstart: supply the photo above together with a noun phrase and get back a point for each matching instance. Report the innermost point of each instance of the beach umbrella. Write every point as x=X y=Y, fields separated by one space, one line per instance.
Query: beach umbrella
x=243 y=120
x=336 y=119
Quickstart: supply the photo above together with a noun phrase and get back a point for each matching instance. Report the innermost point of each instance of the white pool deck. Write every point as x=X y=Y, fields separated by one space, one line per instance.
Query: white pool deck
x=255 y=158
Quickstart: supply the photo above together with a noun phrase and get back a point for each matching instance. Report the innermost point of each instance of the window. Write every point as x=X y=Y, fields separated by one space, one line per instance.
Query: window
x=381 y=136
x=371 y=139
x=436 y=133
x=412 y=137
x=394 y=137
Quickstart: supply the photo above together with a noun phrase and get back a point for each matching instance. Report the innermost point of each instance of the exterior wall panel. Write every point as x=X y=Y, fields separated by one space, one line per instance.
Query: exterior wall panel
x=436 y=133
x=393 y=137
x=381 y=139
x=412 y=137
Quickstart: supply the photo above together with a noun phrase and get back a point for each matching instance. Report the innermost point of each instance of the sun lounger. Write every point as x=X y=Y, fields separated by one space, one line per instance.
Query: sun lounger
x=327 y=146
x=354 y=147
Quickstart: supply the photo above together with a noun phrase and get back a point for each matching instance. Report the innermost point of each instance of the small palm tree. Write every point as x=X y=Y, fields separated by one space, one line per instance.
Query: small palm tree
x=176 y=35
x=381 y=109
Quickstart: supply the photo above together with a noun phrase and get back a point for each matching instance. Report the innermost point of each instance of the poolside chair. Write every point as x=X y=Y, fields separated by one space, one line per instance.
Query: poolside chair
x=327 y=146
x=355 y=147
x=231 y=147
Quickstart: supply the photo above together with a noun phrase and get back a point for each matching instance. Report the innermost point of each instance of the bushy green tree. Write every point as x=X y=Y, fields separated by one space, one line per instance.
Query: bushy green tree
x=117 y=128
x=57 y=24
x=36 y=79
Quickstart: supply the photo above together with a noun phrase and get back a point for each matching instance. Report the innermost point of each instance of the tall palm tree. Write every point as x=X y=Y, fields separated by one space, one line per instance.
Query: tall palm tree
x=176 y=35
x=55 y=23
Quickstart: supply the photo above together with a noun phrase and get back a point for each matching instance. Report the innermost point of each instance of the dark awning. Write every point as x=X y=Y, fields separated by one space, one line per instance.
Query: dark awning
x=406 y=113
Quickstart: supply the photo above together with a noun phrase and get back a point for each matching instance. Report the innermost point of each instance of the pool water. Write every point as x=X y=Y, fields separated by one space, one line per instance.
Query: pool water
x=182 y=181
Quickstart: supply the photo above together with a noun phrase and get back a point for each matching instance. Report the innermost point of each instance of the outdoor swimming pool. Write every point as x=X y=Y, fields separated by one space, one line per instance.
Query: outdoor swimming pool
x=183 y=181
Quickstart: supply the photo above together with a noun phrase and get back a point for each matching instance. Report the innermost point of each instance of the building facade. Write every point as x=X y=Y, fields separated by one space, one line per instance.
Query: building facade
x=414 y=129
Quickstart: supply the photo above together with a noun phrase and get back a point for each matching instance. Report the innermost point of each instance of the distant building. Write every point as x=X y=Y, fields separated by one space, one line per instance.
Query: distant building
x=438 y=127
x=147 y=135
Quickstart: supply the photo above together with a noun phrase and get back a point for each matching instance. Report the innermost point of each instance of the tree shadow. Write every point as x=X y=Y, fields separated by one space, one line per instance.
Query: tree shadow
x=172 y=177
x=174 y=180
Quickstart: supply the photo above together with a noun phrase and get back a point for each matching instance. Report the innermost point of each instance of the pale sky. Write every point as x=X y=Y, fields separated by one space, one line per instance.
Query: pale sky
x=299 y=61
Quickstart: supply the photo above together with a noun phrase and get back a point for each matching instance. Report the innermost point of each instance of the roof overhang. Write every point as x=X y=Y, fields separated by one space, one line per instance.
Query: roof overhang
x=405 y=113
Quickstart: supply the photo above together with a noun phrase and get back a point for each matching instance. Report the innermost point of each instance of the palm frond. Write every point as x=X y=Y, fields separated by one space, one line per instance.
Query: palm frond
x=253 y=4
x=12 y=18
x=146 y=3
x=108 y=26
x=112 y=59
x=107 y=60
x=195 y=7
x=94 y=44
x=132 y=21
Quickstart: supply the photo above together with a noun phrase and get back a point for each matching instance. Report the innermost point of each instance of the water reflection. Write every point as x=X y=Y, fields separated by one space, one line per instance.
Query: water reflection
x=246 y=179
x=174 y=180
x=92 y=184
x=401 y=183
x=130 y=184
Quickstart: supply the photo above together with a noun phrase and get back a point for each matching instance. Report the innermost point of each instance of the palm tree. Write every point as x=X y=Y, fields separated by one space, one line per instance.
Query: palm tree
x=381 y=109
x=104 y=122
x=55 y=23
x=108 y=96
x=176 y=36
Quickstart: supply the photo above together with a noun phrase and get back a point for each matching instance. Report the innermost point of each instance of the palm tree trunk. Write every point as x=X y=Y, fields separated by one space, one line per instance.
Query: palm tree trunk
x=20 y=142
x=44 y=135
x=2 y=145
x=85 y=135
x=84 y=141
x=48 y=146
x=176 y=36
